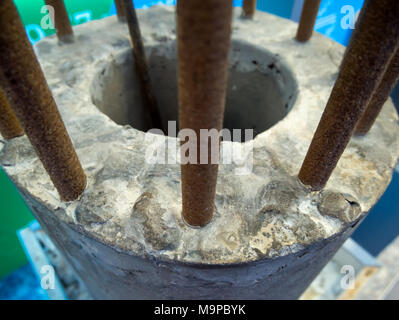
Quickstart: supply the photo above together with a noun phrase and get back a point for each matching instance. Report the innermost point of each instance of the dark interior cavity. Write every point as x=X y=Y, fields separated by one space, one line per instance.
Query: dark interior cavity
x=261 y=89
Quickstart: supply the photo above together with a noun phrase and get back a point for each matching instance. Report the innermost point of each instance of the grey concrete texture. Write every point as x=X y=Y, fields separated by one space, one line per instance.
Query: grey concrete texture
x=270 y=236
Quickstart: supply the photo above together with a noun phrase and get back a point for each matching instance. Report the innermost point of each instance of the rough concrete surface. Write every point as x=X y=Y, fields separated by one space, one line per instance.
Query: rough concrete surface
x=269 y=237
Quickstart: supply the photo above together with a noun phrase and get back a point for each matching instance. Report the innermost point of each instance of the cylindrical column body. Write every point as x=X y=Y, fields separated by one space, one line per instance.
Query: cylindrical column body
x=109 y=273
x=268 y=238
x=204 y=28
x=308 y=19
x=23 y=81
x=373 y=45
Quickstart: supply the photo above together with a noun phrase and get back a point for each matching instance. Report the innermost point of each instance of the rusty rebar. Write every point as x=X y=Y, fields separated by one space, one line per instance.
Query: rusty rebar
x=248 y=8
x=150 y=102
x=120 y=11
x=61 y=21
x=308 y=20
x=203 y=30
x=30 y=97
x=380 y=96
x=374 y=42
x=9 y=125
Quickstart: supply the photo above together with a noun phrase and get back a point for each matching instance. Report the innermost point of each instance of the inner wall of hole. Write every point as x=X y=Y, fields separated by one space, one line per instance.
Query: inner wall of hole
x=261 y=89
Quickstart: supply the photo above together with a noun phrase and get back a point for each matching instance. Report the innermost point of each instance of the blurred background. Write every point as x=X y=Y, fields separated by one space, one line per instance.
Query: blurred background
x=334 y=20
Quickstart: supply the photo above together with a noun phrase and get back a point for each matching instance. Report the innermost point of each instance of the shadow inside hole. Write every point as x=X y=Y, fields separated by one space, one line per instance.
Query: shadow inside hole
x=261 y=89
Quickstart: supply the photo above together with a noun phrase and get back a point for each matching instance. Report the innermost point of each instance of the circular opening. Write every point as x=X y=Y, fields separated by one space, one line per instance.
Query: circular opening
x=260 y=92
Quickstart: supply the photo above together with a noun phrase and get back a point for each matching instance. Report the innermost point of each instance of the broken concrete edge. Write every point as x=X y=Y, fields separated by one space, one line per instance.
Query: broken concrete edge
x=157 y=259
x=134 y=207
x=113 y=274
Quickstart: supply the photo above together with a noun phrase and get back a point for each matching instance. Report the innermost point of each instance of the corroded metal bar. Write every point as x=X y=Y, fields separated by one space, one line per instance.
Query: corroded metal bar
x=373 y=44
x=380 y=96
x=61 y=21
x=30 y=97
x=203 y=30
x=9 y=125
x=308 y=19
x=151 y=105
x=120 y=11
x=248 y=8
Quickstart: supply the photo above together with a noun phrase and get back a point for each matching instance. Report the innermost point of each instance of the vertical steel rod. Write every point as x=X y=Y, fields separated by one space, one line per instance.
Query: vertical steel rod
x=308 y=20
x=120 y=11
x=203 y=30
x=30 y=97
x=9 y=125
x=248 y=8
x=373 y=44
x=151 y=105
x=380 y=96
x=61 y=21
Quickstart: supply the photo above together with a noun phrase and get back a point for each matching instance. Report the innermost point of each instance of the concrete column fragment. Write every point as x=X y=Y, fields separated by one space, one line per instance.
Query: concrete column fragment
x=269 y=236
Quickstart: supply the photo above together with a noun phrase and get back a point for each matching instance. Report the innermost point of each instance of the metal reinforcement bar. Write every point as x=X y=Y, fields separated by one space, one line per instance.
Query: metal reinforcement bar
x=9 y=125
x=372 y=46
x=120 y=11
x=204 y=36
x=61 y=21
x=380 y=96
x=248 y=8
x=30 y=97
x=308 y=19
x=150 y=102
